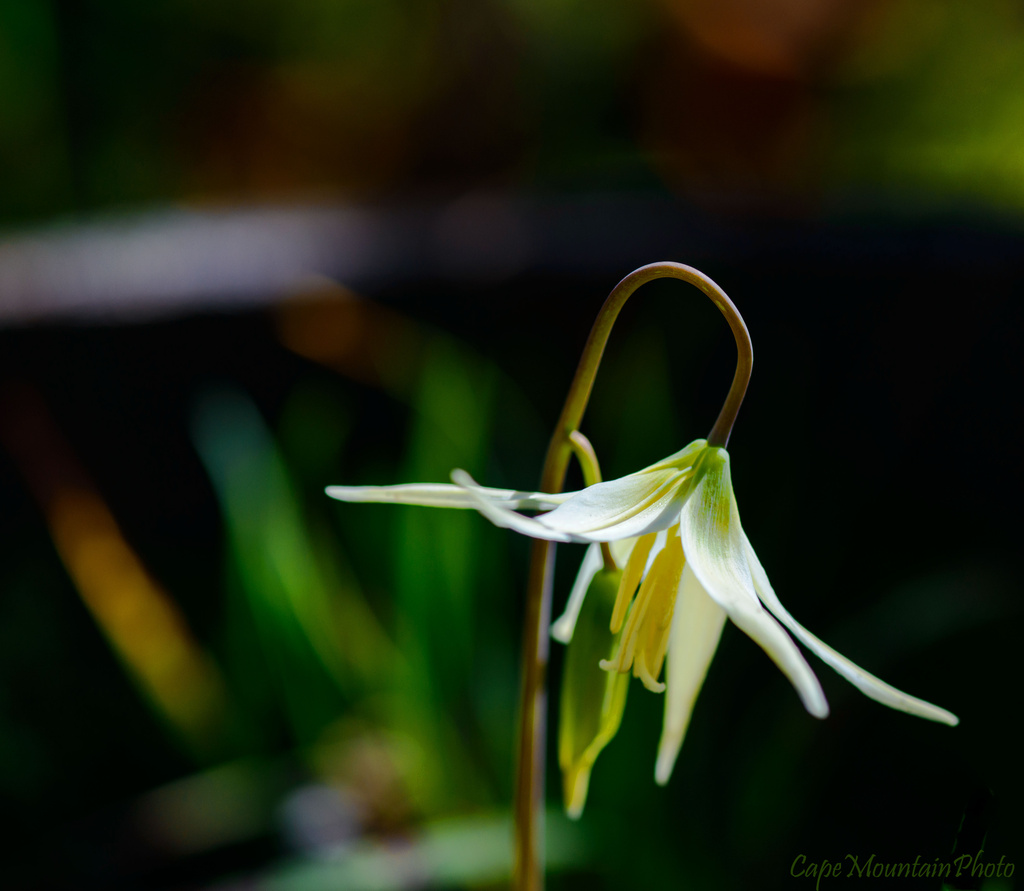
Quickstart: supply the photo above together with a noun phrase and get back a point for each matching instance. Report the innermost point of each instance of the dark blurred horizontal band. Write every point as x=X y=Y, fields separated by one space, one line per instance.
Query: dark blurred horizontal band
x=167 y=262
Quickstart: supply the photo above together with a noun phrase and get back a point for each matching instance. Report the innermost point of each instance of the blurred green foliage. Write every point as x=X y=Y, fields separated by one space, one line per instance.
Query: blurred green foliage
x=109 y=104
x=937 y=109
x=370 y=653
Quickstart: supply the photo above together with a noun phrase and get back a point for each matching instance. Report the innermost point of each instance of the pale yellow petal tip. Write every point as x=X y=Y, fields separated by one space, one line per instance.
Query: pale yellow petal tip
x=576 y=782
x=667 y=754
x=813 y=698
x=942 y=716
x=930 y=712
x=345 y=493
x=562 y=630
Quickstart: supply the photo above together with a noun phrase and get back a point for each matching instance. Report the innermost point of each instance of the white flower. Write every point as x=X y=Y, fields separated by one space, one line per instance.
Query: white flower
x=689 y=567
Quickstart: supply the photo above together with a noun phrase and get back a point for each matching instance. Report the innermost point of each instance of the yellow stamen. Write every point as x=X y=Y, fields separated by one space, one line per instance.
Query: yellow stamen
x=649 y=660
x=631 y=578
x=649 y=593
x=623 y=659
x=650 y=619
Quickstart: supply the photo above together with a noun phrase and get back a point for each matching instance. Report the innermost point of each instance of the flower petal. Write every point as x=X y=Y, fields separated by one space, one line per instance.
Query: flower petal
x=864 y=681
x=713 y=544
x=562 y=628
x=628 y=507
x=497 y=511
x=622 y=550
x=696 y=628
x=445 y=495
x=684 y=459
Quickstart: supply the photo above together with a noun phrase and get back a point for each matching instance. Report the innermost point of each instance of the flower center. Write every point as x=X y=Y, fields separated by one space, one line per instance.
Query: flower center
x=656 y=564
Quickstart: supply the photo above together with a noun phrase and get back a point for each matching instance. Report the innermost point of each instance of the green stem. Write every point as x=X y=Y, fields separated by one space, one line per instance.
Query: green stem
x=528 y=873
x=587 y=458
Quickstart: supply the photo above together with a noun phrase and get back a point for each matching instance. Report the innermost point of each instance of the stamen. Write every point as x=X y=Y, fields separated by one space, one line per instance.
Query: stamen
x=630 y=579
x=649 y=660
x=661 y=566
x=647 y=678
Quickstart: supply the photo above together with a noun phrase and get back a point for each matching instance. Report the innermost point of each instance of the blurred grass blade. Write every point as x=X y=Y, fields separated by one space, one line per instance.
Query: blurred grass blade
x=142 y=623
x=300 y=612
x=437 y=561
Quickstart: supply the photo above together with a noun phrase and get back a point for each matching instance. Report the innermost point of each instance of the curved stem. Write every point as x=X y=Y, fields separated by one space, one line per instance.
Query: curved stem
x=587 y=457
x=583 y=382
x=528 y=874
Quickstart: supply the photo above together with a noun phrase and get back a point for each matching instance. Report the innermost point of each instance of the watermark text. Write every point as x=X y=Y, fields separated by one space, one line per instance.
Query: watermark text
x=861 y=866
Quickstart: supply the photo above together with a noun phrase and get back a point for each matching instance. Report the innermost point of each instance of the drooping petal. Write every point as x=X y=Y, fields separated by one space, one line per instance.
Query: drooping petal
x=445 y=495
x=497 y=511
x=696 y=628
x=562 y=628
x=864 y=681
x=713 y=543
x=631 y=506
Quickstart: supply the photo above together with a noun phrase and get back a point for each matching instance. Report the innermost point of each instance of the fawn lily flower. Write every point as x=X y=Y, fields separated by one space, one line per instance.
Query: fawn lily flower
x=668 y=562
x=695 y=569
x=687 y=567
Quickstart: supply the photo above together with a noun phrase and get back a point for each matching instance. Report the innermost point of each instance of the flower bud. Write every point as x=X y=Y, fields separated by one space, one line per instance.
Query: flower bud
x=592 y=700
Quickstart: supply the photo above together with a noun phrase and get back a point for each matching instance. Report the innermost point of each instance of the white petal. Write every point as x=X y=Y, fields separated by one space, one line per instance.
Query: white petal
x=696 y=628
x=660 y=540
x=864 y=681
x=713 y=544
x=562 y=628
x=624 y=508
x=498 y=512
x=445 y=495
x=683 y=459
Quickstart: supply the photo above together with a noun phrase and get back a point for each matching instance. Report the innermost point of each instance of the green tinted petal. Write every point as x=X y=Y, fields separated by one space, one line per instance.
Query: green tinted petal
x=623 y=508
x=714 y=546
x=863 y=680
x=684 y=458
x=592 y=700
